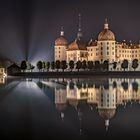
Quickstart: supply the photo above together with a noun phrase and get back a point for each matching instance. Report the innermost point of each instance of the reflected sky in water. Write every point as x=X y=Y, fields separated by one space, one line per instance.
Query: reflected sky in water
x=69 y=108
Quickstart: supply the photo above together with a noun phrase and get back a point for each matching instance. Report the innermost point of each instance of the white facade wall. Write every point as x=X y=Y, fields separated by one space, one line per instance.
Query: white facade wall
x=60 y=53
x=107 y=51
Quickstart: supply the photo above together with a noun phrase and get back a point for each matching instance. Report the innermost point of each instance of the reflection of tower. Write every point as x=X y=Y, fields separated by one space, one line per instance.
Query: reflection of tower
x=79 y=34
x=107 y=104
x=60 y=101
x=80 y=120
x=76 y=93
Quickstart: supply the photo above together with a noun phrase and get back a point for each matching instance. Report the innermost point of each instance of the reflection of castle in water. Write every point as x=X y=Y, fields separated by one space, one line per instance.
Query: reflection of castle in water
x=2 y=80
x=106 y=97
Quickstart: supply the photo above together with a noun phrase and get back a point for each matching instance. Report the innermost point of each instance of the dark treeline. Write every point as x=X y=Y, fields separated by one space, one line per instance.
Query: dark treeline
x=44 y=66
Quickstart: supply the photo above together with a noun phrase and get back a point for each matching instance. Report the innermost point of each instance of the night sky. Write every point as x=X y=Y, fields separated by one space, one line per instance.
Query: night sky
x=28 y=28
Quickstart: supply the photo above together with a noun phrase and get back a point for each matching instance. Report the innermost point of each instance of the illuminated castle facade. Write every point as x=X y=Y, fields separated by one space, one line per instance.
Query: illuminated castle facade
x=104 y=48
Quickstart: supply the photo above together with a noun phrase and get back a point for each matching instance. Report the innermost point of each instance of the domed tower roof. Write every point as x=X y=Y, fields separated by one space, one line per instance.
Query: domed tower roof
x=106 y=34
x=106 y=114
x=61 y=107
x=61 y=41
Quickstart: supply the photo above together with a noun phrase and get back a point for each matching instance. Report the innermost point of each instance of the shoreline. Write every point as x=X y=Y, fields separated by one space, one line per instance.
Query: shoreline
x=80 y=74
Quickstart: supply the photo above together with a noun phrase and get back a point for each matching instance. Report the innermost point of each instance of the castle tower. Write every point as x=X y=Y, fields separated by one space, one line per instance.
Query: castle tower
x=106 y=43
x=60 y=47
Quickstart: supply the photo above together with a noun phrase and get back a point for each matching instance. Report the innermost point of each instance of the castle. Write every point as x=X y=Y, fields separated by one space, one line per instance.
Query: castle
x=104 y=48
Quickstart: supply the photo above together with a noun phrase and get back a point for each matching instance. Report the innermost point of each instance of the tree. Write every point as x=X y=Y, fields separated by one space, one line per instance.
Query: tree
x=105 y=65
x=48 y=66
x=32 y=67
x=135 y=64
x=71 y=65
x=84 y=64
x=52 y=65
x=39 y=65
x=125 y=85
x=63 y=65
x=90 y=65
x=23 y=65
x=78 y=65
x=114 y=65
x=97 y=65
x=135 y=86
x=124 y=64
x=43 y=65
x=57 y=65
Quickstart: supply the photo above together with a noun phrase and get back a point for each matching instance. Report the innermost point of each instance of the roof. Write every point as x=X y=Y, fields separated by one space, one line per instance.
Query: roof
x=61 y=41
x=92 y=43
x=14 y=65
x=77 y=45
x=61 y=107
x=106 y=113
x=106 y=35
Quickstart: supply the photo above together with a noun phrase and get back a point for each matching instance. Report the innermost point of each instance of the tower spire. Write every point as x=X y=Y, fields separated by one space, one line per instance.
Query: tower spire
x=79 y=34
x=106 y=24
x=62 y=31
x=106 y=124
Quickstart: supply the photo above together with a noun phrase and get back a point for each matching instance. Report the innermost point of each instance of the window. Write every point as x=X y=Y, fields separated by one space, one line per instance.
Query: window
x=59 y=56
x=113 y=43
x=91 y=49
x=101 y=43
x=101 y=53
x=101 y=48
x=59 y=51
x=107 y=43
x=112 y=53
x=107 y=48
x=107 y=53
x=112 y=48
x=91 y=54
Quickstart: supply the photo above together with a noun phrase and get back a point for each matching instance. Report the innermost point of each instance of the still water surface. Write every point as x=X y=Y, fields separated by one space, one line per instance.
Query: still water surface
x=69 y=108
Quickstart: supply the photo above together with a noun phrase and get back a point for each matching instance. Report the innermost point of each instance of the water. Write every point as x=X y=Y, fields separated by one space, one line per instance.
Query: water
x=69 y=108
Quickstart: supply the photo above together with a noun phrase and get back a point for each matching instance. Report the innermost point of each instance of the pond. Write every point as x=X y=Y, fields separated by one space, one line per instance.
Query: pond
x=82 y=108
